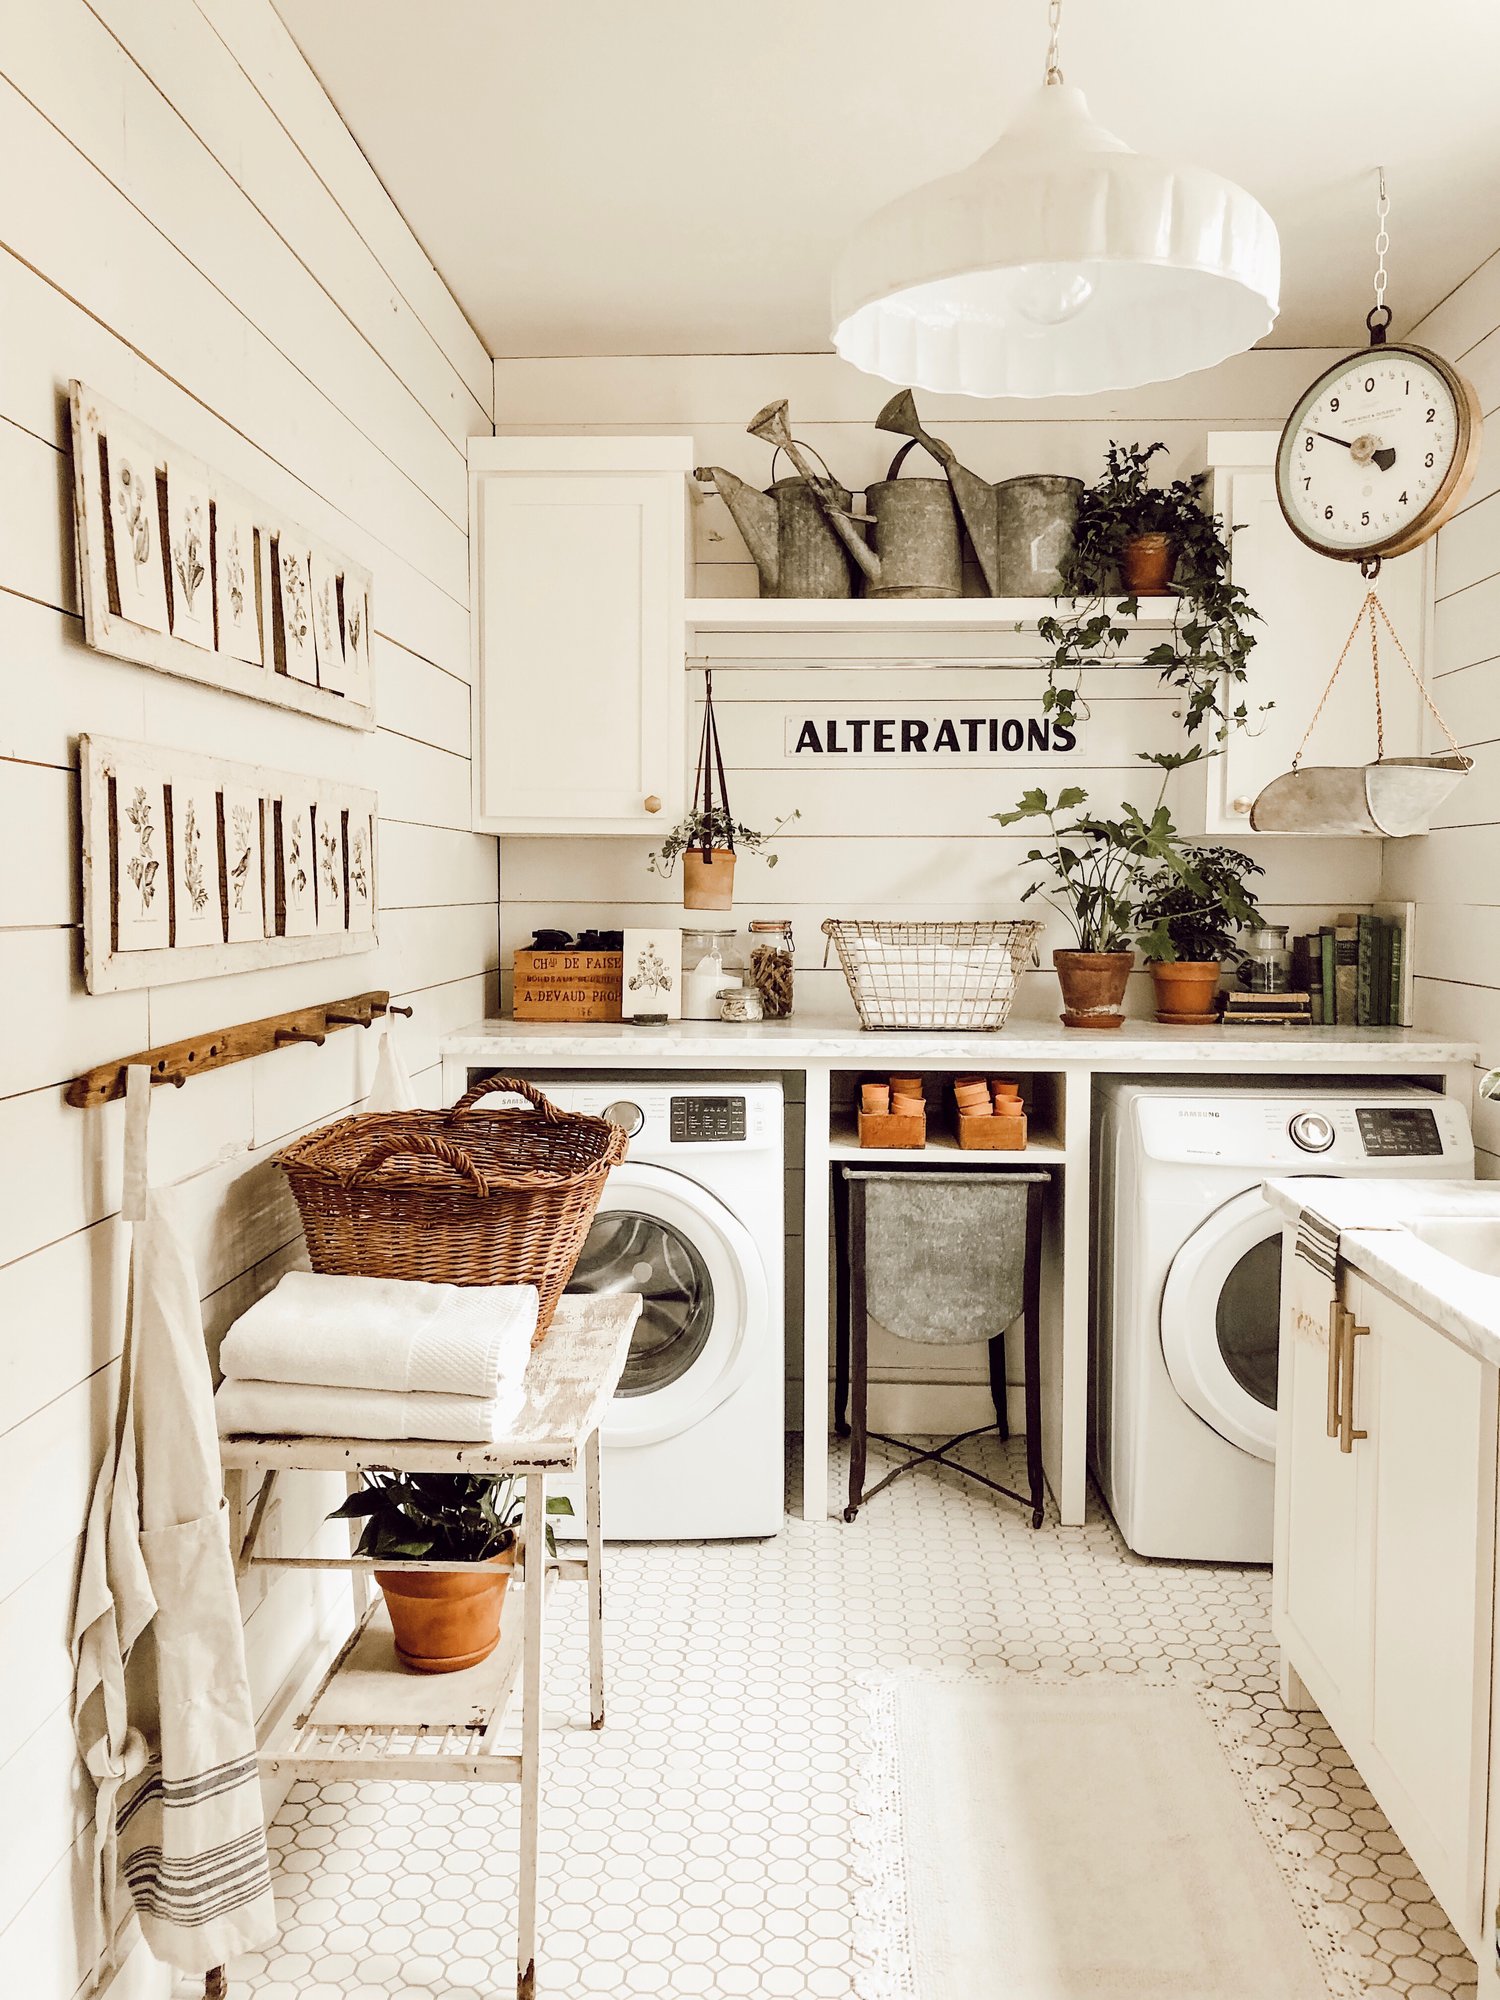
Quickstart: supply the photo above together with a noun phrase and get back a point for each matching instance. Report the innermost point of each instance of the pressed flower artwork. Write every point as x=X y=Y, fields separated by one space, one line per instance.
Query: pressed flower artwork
x=187 y=549
x=245 y=914
x=140 y=575
x=293 y=566
x=653 y=974
x=236 y=596
x=327 y=632
x=361 y=845
x=142 y=901
x=298 y=888
x=356 y=641
x=197 y=912
x=328 y=845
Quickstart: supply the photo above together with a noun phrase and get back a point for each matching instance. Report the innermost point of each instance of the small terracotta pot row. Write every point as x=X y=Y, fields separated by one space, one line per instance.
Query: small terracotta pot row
x=901 y=1097
x=993 y=1097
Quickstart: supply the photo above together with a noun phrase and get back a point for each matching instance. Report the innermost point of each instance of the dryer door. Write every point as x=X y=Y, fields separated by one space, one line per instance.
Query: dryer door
x=706 y=1299
x=1220 y=1321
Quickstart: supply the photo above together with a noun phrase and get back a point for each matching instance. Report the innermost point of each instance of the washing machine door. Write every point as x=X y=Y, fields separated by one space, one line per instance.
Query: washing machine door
x=1221 y=1320
x=704 y=1291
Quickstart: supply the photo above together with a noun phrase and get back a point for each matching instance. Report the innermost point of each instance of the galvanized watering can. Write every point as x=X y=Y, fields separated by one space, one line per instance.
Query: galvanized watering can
x=791 y=529
x=1020 y=529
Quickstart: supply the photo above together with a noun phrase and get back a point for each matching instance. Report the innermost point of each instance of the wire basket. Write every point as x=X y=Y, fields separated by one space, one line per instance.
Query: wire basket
x=938 y=975
x=458 y=1197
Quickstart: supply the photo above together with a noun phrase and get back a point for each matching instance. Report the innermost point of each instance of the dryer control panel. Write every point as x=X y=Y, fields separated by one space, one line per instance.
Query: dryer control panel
x=697 y=1121
x=1398 y=1131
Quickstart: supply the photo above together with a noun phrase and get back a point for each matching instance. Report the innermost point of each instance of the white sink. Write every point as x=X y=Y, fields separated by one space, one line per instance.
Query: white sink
x=1473 y=1241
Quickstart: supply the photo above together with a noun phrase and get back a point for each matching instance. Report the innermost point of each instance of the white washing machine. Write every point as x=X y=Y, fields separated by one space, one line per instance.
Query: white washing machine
x=694 y=1440
x=1187 y=1287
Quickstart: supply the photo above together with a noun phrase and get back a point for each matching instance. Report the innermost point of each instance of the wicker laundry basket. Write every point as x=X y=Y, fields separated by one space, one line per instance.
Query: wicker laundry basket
x=457 y=1197
x=933 y=975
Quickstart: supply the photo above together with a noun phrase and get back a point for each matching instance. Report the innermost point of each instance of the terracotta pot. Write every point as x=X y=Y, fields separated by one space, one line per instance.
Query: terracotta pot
x=444 y=1620
x=1186 y=992
x=708 y=885
x=1093 y=985
x=1147 y=563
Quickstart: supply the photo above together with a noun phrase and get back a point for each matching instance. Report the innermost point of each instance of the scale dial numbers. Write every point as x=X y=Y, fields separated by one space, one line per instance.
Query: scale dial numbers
x=1378 y=453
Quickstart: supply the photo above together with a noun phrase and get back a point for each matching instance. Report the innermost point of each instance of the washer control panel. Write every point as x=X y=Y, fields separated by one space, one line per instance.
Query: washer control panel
x=1398 y=1131
x=697 y=1121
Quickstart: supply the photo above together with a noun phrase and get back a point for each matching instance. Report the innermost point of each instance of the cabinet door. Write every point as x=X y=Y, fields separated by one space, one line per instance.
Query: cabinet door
x=581 y=714
x=1432 y=1534
x=1307 y=604
x=1320 y=1587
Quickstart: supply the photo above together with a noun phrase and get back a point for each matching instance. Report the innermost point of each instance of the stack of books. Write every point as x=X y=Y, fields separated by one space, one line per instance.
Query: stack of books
x=1351 y=972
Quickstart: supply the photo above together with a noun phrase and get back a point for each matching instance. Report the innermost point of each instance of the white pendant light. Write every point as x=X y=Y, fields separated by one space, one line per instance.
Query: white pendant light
x=1058 y=264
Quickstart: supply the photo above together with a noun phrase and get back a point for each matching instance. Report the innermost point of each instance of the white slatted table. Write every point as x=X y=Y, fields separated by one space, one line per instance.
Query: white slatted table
x=367 y=1717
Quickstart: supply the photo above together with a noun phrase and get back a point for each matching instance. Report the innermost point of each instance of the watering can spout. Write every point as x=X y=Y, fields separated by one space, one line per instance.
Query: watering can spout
x=754 y=514
x=973 y=496
x=773 y=427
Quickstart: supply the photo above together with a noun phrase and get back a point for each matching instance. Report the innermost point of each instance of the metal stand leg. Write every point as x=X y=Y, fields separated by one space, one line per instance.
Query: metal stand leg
x=998 y=1389
x=595 y=1532
x=359 y=1579
x=859 y=1349
x=1032 y=1288
x=534 y=1533
x=841 y=1305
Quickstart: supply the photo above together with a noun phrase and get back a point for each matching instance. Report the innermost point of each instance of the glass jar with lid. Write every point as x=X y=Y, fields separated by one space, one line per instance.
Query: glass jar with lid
x=772 y=964
x=711 y=961
x=1267 y=964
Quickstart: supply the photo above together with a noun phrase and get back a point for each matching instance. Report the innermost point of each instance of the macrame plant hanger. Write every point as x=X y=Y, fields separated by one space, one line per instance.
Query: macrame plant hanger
x=711 y=760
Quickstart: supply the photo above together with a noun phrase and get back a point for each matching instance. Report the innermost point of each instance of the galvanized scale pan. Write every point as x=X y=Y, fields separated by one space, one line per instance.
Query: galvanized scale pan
x=1392 y=797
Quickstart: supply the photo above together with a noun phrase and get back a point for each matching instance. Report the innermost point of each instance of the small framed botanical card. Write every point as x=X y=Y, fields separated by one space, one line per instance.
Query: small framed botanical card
x=236 y=595
x=141 y=896
x=135 y=529
x=652 y=976
x=197 y=916
x=294 y=581
x=327 y=635
x=243 y=873
x=189 y=560
x=328 y=844
x=360 y=842
x=295 y=858
x=356 y=640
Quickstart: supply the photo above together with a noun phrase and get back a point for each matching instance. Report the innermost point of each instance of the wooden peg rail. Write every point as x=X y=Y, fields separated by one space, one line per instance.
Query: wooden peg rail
x=177 y=1061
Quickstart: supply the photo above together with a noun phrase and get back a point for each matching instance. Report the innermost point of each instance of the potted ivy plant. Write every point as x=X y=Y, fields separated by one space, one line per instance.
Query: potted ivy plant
x=443 y=1620
x=707 y=843
x=1097 y=872
x=1186 y=934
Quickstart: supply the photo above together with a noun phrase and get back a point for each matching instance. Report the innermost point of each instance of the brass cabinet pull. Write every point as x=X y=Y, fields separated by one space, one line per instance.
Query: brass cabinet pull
x=1335 y=1355
x=652 y=802
x=1348 y=1435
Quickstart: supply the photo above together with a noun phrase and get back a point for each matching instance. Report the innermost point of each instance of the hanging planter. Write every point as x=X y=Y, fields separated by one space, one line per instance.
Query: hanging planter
x=1392 y=797
x=708 y=840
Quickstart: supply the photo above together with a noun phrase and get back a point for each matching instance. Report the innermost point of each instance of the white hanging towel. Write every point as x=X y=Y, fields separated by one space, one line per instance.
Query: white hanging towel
x=384 y=1333
x=391 y=1089
x=302 y=1409
x=178 y=1808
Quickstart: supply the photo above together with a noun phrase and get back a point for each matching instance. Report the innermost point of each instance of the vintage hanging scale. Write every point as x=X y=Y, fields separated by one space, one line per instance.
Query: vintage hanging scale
x=1375 y=457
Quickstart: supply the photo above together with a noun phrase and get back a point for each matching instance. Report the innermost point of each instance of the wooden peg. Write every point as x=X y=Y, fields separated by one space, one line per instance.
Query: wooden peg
x=285 y=1035
x=392 y=1008
x=336 y=1020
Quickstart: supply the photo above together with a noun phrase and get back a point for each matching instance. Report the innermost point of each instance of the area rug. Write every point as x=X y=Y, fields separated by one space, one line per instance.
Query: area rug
x=1085 y=1838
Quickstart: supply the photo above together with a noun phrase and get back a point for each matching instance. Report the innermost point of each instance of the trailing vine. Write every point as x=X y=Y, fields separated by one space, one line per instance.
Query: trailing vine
x=1206 y=654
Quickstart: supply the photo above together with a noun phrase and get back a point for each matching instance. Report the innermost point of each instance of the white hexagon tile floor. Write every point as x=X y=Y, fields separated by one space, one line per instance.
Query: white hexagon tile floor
x=701 y=1845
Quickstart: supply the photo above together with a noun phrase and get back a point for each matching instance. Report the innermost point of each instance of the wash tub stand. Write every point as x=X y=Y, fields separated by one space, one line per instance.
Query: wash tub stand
x=366 y=1716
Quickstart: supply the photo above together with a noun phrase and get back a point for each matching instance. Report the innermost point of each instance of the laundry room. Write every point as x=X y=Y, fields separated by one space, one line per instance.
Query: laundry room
x=855 y=1348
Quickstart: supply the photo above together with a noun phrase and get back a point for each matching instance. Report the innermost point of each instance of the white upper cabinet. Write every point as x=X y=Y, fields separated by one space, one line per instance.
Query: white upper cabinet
x=1307 y=604
x=578 y=559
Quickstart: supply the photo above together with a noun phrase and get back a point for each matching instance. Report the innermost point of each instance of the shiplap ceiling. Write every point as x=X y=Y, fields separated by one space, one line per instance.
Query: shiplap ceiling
x=675 y=176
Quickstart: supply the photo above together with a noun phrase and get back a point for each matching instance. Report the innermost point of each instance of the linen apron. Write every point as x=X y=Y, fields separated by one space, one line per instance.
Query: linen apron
x=162 y=1706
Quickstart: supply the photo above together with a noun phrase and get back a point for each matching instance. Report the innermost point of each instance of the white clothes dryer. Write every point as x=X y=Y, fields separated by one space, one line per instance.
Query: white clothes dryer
x=1187 y=1287
x=693 y=1220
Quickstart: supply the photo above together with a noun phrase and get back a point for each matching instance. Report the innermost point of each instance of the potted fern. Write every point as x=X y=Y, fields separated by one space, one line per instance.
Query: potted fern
x=1187 y=932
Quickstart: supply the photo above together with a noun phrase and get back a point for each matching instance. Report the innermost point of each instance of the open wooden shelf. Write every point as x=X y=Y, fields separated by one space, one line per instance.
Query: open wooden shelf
x=896 y=614
x=844 y=1144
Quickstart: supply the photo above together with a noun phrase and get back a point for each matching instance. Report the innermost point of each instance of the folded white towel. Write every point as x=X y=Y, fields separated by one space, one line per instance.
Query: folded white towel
x=384 y=1333
x=298 y=1409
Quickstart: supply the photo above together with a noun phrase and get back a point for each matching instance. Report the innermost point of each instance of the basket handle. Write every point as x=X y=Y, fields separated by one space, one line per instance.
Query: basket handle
x=529 y=1091
x=431 y=1148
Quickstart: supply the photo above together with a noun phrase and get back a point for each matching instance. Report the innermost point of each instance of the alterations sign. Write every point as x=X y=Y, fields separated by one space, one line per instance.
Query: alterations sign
x=930 y=736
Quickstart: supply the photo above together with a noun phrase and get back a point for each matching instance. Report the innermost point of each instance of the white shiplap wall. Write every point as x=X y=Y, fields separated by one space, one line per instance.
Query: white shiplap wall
x=874 y=841
x=186 y=224
x=1453 y=873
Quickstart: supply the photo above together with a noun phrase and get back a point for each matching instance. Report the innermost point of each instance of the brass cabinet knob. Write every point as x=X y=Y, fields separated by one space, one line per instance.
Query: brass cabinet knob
x=652 y=803
x=1242 y=805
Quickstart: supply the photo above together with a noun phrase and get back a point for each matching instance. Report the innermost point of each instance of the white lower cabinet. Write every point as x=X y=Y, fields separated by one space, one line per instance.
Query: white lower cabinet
x=1384 y=1599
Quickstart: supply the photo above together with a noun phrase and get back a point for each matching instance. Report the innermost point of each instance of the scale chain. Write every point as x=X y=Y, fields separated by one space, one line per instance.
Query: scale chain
x=1367 y=610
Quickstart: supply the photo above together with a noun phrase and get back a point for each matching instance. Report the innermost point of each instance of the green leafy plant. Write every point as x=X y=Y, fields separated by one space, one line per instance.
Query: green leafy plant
x=1205 y=656
x=1099 y=871
x=718 y=828
x=435 y=1516
x=1178 y=923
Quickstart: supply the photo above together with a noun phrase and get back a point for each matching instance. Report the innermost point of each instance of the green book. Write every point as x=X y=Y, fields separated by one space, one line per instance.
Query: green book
x=1346 y=970
x=1309 y=957
x=1364 y=973
x=1384 y=1014
x=1330 y=984
x=1398 y=969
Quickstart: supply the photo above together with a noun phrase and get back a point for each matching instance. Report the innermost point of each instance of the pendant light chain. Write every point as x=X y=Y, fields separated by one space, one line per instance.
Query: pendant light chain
x=1054 y=19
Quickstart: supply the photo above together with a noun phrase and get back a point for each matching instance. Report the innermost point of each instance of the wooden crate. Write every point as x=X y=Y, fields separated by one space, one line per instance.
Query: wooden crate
x=567 y=985
x=891 y=1131
x=991 y=1135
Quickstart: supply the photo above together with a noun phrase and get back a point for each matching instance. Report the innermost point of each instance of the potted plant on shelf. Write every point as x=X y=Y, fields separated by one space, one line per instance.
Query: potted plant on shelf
x=442 y=1620
x=1098 y=872
x=706 y=843
x=1186 y=934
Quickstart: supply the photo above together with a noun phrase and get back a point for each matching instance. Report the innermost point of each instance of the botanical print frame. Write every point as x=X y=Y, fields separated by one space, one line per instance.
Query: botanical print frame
x=296 y=868
x=651 y=975
x=190 y=583
x=328 y=857
x=327 y=632
x=138 y=927
x=125 y=604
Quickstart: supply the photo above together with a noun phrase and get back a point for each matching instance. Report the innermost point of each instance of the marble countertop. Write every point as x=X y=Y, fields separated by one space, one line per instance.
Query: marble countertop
x=1377 y=1203
x=808 y=1040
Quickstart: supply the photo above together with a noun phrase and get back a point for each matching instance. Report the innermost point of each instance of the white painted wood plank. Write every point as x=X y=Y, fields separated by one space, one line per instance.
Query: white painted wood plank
x=1468 y=548
x=35 y=1623
x=46 y=1949
x=435 y=865
x=63 y=1314
x=39 y=820
x=1466 y=626
x=1469 y=312
x=55 y=1028
x=57 y=1452
x=420 y=700
x=1471 y=1013
x=52 y=686
x=36 y=550
x=46 y=1796
x=266 y=52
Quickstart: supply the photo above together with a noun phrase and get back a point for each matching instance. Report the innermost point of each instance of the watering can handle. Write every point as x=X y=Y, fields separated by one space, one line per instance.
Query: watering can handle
x=812 y=452
x=899 y=460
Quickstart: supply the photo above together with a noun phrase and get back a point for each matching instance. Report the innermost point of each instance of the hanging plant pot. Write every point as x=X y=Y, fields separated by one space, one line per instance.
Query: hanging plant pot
x=1187 y=992
x=708 y=883
x=444 y=1620
x=1093 y=987
x=1148 y=564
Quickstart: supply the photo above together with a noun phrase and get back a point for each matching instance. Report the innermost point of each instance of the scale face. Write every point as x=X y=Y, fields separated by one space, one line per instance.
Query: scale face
x=1378 y=452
